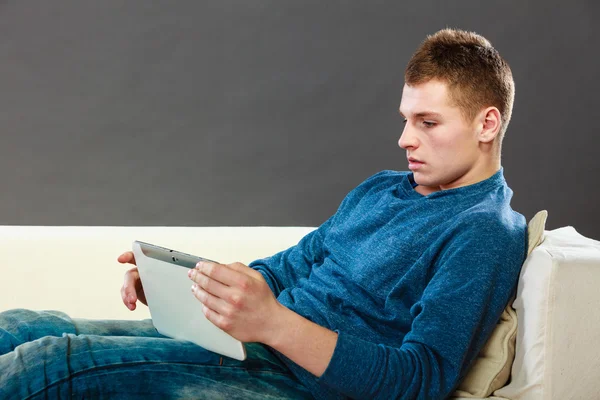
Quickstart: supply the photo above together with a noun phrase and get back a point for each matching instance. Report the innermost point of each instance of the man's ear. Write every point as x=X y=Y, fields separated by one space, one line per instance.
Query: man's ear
x=490 y=122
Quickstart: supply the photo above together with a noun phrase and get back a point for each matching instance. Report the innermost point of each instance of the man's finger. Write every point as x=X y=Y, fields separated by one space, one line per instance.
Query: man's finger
x=244 y=269
x=222 y=273
x=127 y=258
x=129 y=282
x=214 y=303
x=209 y=284
x=127 y=299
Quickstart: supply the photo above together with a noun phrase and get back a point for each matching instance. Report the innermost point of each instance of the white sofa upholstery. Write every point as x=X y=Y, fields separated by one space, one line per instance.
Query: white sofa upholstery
x=74 y=269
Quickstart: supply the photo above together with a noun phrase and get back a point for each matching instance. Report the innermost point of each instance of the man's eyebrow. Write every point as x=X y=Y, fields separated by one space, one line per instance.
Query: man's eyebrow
x=423 y=114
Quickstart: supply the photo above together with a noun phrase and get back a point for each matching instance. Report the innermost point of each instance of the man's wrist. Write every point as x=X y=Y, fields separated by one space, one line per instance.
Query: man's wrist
x=279 y=324
x=307 y=344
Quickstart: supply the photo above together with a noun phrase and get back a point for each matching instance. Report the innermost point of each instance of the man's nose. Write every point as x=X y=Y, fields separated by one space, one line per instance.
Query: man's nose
x=408 y=138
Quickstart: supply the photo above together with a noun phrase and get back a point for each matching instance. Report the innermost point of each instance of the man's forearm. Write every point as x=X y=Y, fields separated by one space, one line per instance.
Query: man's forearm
x=307 y=344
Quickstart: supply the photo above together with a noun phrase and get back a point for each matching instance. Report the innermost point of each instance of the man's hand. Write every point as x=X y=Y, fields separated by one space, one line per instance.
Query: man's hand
x=132 y=289
x=237 y=299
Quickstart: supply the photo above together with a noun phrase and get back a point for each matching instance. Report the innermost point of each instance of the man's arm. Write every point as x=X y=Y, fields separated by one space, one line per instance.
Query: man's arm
x=238 y=300
x=456 y=314
x=474 y=276
x=286 y=268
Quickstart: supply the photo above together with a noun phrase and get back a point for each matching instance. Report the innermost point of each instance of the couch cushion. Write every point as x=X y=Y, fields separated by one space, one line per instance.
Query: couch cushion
x=491 y=369
x=557 y=307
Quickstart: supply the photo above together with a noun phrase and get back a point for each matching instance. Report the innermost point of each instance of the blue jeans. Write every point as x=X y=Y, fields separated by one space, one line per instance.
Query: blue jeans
x=48 y=355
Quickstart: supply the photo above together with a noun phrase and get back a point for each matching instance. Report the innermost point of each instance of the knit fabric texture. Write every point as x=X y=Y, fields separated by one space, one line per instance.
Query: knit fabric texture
x=412 y=284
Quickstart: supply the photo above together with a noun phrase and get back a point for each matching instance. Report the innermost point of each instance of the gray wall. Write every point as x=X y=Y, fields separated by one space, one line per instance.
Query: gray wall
x=268 y=112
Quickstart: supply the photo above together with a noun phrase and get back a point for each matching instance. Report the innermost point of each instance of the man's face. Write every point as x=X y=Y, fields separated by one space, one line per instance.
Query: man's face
x=442 y=148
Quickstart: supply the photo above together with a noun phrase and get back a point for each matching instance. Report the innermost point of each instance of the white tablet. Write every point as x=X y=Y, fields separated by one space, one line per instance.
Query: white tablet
x=174 y=309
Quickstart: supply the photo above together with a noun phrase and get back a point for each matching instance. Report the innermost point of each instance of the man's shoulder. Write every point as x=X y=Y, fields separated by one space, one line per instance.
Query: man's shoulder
x=500 y=218
x=487 y=206
x=499 y=227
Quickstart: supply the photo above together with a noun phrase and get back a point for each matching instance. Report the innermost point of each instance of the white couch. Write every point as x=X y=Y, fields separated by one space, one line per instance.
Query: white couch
x=74 y=269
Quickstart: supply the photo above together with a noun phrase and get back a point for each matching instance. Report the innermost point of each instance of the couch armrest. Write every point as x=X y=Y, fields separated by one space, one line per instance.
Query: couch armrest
x=559 y=323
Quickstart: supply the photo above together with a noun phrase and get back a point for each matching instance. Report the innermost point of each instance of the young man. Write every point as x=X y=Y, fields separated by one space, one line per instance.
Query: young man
x=391 y=297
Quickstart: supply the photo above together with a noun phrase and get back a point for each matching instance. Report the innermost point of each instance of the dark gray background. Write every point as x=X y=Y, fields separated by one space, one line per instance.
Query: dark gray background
x=204 y=113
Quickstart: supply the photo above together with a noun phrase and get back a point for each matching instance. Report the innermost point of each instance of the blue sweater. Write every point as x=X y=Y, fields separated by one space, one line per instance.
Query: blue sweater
x=412 y=284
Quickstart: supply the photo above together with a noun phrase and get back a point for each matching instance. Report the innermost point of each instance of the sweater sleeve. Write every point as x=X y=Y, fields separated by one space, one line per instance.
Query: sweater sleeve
x=472 y=280
x=286 y=268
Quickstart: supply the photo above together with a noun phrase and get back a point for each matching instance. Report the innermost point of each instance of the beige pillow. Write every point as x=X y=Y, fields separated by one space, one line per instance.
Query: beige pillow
x=491 y=368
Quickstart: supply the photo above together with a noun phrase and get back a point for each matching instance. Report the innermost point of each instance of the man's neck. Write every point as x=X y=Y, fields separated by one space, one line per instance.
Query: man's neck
x=481 y=175
x=425 y=190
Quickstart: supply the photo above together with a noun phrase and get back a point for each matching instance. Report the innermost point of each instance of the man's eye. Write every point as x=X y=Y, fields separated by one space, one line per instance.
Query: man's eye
x=404 y=120
x=429 y=124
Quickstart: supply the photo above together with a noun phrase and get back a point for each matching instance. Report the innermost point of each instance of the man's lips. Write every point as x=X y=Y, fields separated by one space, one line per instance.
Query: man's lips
x=414 y=164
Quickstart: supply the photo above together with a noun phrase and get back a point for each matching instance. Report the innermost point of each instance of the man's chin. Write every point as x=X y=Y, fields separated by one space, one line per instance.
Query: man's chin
x=422 y=180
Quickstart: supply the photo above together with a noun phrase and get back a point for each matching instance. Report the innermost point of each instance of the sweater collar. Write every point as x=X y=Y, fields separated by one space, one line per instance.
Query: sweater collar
x=485 y=185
